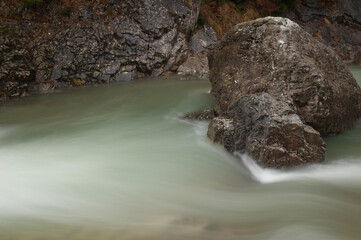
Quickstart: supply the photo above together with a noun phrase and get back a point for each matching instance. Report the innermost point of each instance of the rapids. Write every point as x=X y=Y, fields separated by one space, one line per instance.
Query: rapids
x=117 y=162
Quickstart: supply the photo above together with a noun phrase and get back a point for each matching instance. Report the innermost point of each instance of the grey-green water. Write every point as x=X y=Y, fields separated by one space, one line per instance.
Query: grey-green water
x=116 y=162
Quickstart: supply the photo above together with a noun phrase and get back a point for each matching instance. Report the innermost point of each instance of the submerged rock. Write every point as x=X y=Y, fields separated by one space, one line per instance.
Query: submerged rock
x=269 y=131
x=276 y=56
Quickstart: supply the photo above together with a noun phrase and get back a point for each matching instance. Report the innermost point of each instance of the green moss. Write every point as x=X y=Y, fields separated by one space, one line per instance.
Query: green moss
x=240 y=5
x=282 y=8
x=76 y=82
x=4 y=31
x=32 y=3
x=211 y=3
x=330 y=1
x=64 y=11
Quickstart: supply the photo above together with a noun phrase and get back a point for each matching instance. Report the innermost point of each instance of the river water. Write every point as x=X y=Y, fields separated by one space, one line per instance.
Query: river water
x=116 y=162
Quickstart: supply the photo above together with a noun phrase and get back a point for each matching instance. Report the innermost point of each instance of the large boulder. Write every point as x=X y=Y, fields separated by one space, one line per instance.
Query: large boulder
x=274 y=55
x=269 y=131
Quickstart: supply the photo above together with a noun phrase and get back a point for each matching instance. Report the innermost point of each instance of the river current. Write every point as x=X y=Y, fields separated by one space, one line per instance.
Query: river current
x=117 y=162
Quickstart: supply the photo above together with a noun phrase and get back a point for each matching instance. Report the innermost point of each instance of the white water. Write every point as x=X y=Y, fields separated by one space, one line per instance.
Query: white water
x=332 y=172
x=116 y=162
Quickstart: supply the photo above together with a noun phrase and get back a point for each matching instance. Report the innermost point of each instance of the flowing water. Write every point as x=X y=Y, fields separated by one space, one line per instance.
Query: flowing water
x=117 y=162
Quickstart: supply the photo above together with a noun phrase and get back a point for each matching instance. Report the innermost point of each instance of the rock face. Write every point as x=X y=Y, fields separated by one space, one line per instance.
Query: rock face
x=15 y=65
x=200 y=44
x=269 y=131
x=274 y=55
x=338 y=24
x=96 y=42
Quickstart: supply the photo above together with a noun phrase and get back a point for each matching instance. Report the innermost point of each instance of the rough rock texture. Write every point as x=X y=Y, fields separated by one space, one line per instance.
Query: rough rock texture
x=196 y=65
x=200 y=44
x=203 y=39
x=337 y=24
x=206 y=114
x=276 y=56
x=97 y=42
x=269 y=131
x=15 y=64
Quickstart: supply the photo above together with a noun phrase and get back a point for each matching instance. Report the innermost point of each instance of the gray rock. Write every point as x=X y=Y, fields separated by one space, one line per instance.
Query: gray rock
x=196 y=61
x=274 y=55
x=269 y=131
x=111 y=68
x=16 y=67
x=56 y=73
x=195 y=65
x=204 y=39
x=125 y=74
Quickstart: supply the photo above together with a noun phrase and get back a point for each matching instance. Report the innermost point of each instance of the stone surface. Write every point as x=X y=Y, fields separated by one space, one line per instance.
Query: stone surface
x=195 y=65
x=338 y=24
x=98 y=42
x=274 y=55
x=203 y=40
x=16 y=68
x=269 y=131
x=196 y=62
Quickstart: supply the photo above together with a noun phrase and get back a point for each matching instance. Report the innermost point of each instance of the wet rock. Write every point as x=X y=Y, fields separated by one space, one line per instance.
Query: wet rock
x=98 y=41
x=45 y=86
x=274 y=55
x=268 y=130
x=206 y=114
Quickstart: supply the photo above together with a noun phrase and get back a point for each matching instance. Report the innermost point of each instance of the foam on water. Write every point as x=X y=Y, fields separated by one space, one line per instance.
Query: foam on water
x=332 y=172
